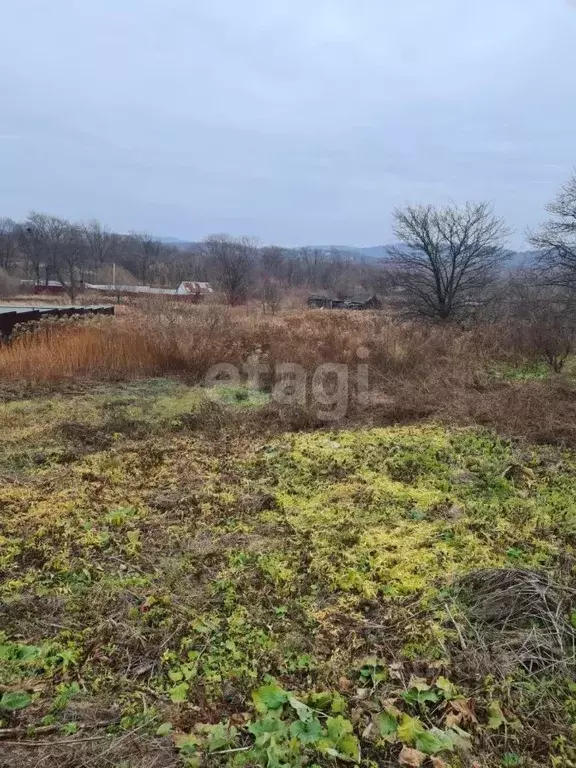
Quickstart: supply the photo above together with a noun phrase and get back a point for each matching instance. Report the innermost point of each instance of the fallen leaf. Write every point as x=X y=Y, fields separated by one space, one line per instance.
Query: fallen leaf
x=411 y=757
x=178 y=693
x=452 y=720
x=419 y=683
x=464 y=709
x=357 y=715
x=437 y=762
x=395 y=670
x=367 y=731
x=344 y=684
x=388 y=726
x=390 y=706
x=461 y=739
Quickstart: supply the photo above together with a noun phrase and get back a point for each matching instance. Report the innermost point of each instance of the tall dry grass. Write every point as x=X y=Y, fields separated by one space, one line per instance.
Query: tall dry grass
x=86 y=353
x=417 y=371
x=168 y=341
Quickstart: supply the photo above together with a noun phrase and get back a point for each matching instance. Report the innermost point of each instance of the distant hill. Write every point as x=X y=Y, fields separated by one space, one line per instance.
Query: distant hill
x=375 y=252
x=359 y=253
x=182 y=245
x=368 y=252
x=523 y=258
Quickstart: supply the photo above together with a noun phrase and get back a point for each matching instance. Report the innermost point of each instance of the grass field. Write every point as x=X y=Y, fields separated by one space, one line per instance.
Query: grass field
x=185 y=583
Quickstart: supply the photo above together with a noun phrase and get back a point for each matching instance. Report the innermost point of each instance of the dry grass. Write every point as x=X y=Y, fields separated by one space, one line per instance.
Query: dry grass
x=152 y=337
x=417 y=371
x=518 y=617
x=58 y=353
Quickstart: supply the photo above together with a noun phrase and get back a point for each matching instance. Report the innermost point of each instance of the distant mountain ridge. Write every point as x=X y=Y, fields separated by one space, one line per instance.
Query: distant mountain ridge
x=368 y=252
x=359 y=253
x=375 y=252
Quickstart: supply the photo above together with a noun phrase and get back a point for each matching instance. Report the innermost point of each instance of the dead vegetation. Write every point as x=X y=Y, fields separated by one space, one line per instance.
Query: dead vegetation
x=518 y=618
x=87 y=750
x=416 y=371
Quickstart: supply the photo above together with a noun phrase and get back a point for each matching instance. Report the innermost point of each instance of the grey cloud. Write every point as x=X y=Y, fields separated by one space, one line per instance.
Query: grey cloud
x=296 y=121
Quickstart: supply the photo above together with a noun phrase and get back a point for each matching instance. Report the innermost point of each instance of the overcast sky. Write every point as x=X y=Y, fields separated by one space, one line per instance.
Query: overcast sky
x=298 y=121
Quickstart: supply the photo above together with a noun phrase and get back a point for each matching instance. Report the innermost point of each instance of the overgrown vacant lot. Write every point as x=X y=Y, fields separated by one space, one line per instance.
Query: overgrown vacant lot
x=178 y=594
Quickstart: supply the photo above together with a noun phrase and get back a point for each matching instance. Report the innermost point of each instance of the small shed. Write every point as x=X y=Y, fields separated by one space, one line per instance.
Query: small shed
x=194 y=290
x=355 y=303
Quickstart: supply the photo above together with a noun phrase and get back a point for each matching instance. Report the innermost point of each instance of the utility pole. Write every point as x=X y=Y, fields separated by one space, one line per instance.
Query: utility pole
x=114 y=281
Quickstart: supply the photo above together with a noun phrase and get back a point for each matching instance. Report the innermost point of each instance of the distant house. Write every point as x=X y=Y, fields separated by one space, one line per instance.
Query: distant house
x=355 y=303
x=52 y=287
x=188 y=290
x=191 y=288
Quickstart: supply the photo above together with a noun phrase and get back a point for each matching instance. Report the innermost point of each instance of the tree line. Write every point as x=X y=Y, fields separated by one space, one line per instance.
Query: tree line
x=449 y=263
x=45 y=248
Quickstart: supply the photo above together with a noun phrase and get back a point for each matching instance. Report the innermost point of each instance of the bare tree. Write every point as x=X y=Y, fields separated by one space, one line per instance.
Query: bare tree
x=448 y=257
x=556 y=239
x=270 y=295
x=233 y=261
x=54 y=247
x=176 y=266
x=31 y=246
x=40 y=240
x=541 y=319
x=273 y=262
x=313 y=262
x=145 y=252
x=70 y=260
x=169 y=269
x=102 y=245
x=8 y=244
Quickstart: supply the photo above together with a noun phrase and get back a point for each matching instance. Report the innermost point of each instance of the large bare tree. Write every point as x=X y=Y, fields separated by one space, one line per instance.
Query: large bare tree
x=447 y=258
x=233 y=261
x=555 y=240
